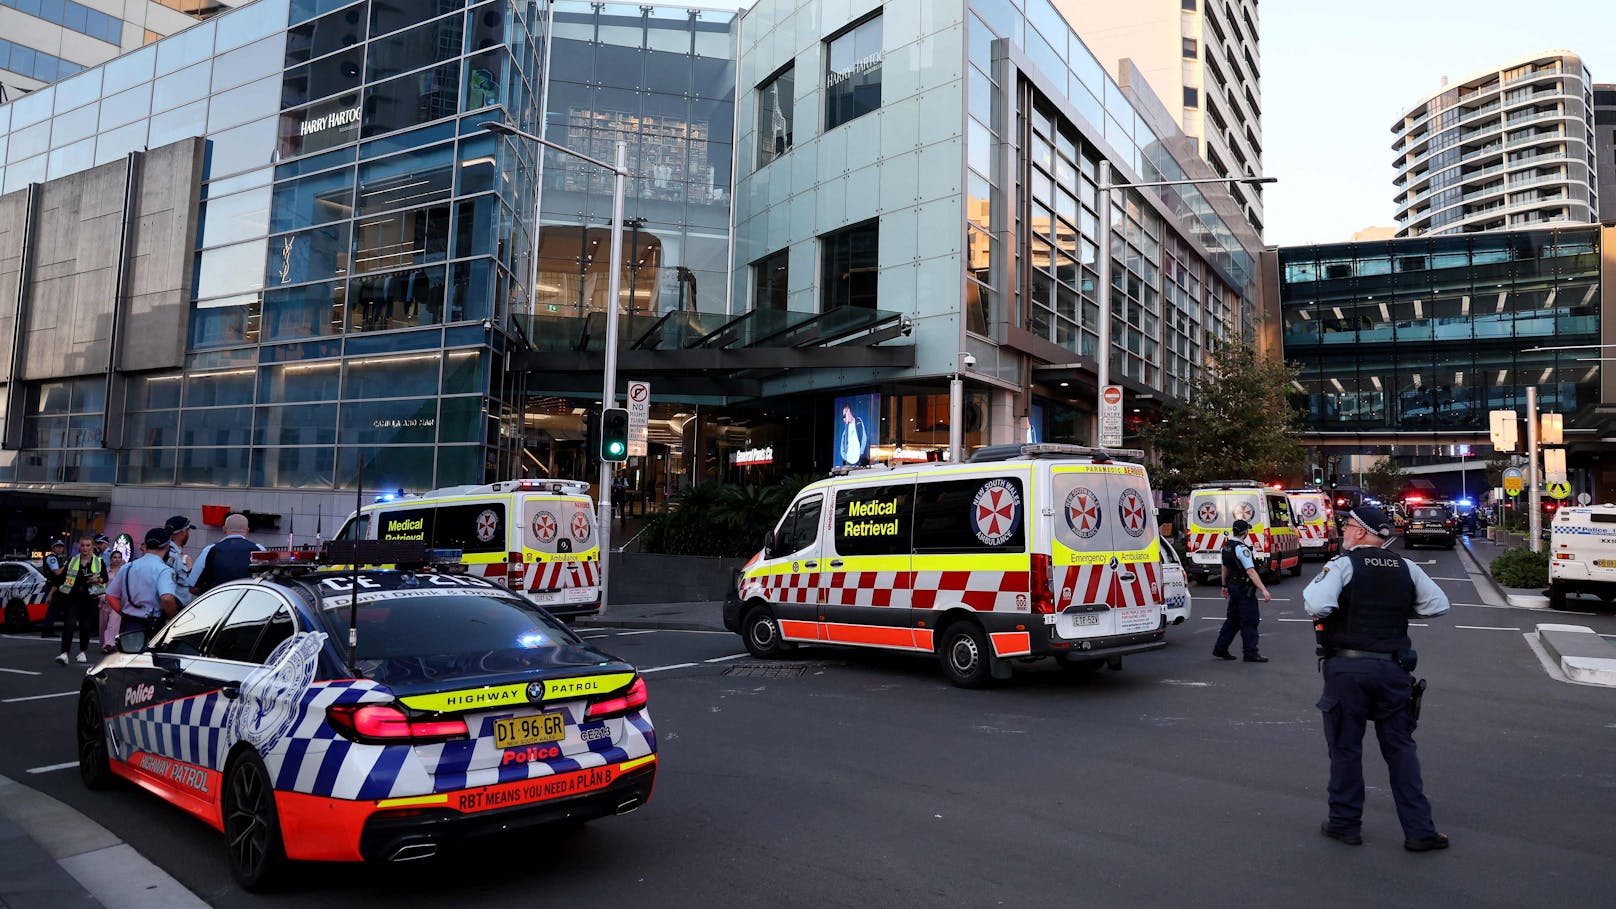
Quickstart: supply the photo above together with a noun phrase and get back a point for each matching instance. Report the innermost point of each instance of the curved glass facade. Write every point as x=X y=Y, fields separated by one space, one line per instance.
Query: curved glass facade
x=1427 y=335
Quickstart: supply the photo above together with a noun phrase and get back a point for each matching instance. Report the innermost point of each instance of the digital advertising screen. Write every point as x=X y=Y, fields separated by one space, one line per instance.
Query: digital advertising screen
x=856 y=423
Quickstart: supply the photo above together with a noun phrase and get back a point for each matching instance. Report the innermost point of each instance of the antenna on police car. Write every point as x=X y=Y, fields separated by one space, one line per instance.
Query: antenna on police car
x=353 y=581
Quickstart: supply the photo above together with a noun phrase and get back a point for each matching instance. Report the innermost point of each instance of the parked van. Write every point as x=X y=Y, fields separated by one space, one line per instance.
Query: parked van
x=1023 y=552
x=1214 y=507
x=1316 y=530
x=536 y=536
x=1582 y=553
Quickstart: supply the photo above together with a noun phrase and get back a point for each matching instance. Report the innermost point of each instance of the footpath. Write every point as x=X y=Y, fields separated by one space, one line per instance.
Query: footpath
x=52 y=856
x=1478 y=554
x=1575 y=653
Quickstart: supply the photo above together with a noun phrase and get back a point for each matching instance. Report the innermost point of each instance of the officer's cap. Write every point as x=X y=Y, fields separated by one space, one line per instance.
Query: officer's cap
x=1241 y=528
x=58 y=542
x=178 y=523
x=1372 y=519
x=157 y=538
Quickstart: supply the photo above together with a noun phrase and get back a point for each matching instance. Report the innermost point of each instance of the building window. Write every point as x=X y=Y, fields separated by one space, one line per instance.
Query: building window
x=1192 y=97
x=850 y=258
x=774 y=115
x=853 y=73
x=1191 y=47
x=770 y=275
x=1188 y=5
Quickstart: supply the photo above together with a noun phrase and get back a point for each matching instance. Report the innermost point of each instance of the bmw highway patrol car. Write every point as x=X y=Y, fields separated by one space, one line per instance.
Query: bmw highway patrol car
x=461 y=709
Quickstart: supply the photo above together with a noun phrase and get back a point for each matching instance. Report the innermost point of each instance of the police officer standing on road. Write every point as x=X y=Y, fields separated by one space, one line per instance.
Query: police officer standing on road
x=144 y=589
x=1240 y=584
x=179 y=529
x=54 y=566
x=1363 y=600
x=228 y=559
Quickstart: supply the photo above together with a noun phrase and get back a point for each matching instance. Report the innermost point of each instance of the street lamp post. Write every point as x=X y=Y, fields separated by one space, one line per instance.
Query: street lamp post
x=1102 y=374
x=956 y=407
x=614 y=289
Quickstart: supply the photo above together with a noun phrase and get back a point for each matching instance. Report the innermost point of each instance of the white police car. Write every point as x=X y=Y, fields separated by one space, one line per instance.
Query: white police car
x=462 y=709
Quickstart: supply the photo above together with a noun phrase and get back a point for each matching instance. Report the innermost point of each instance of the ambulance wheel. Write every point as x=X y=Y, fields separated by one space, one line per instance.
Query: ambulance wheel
x=965 y=655
x=1557 y=597
x=1296 y=570
x=762 y=634
x=94 y=768
x=252 y=827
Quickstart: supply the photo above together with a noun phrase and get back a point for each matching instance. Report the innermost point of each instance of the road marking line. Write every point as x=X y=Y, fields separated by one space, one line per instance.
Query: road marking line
x=733 y=656
x=53 y=639
x=1294 y=620
x=674 y=666
x=39 y=697
x=629 y=634
x=19 y=671
x=1486 y=628
x=1419 y=625
x=51 y=768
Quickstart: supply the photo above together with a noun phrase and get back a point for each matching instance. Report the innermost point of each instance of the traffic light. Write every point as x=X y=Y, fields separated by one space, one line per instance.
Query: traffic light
x=1318 y=477
x=614 y=434
x=592 y=433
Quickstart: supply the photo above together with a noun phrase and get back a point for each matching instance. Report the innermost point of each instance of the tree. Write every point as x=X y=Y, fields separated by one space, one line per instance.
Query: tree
x=1237 y=423
x=1384 y=479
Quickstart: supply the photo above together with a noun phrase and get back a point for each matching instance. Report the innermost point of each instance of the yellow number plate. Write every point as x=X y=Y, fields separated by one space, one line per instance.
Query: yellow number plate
x=530 y=730
x=1605 y=563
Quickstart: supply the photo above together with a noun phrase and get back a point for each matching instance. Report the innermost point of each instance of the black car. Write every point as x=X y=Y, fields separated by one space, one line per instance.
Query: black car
x=1431 y=525
x=461 y=708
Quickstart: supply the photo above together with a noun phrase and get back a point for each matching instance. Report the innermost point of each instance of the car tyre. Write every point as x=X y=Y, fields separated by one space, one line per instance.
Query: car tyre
x=252 y=829
x=761 y=632
x=1557 y=597
x=16 y=615
x=1296 y=570
x=965 y=655
x=95 y=768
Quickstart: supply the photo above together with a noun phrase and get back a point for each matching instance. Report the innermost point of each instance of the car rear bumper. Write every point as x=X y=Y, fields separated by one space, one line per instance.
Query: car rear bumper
x=328 y=829
x=1113 y=645
x=1422 y=534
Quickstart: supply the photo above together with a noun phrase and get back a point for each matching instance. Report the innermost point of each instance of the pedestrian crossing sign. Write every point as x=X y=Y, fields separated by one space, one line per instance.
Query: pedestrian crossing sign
x=1560 y=490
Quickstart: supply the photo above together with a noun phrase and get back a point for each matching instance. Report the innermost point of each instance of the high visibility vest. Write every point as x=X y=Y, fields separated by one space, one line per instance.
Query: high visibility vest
x=96 y=588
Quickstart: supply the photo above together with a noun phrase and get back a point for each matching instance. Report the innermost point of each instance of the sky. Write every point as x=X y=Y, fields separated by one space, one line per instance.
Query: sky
x=1336 y=76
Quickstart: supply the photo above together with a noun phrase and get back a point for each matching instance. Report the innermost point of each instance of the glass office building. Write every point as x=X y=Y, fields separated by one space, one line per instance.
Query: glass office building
x=1417 y=339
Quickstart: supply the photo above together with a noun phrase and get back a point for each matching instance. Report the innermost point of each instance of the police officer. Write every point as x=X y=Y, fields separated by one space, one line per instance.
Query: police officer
x=144 y=590
x=1363 y=600
x=227 y=560
x=1241 y=583
x=54 y=566
x=179 y=529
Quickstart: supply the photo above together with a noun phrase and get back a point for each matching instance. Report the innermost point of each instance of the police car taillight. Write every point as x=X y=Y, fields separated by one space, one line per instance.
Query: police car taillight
x=629 y=701
x=1043 y=592
x=384 y=724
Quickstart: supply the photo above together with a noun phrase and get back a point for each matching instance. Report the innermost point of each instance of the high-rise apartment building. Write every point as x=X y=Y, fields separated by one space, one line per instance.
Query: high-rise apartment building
x=1201 y=58
x=1510 y=147
x=1605 y=148
x=42 y=41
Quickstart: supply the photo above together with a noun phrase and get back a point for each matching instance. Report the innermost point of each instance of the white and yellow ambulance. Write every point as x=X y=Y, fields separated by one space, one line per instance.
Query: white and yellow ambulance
x=536 y=536
x=1023 y=552
x=1316 y=530
x=1582 y=553
x=1213 y=509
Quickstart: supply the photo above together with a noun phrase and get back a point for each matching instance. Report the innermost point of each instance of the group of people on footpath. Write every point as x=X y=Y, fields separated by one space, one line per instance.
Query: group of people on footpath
x=95 y=590
x=1361 y=602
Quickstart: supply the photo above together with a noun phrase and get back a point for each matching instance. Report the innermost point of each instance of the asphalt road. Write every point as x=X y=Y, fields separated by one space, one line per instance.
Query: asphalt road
x=840 y=778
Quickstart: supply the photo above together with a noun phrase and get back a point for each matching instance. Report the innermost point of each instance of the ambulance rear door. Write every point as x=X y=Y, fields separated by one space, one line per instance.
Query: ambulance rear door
x=560 y=554
x=1136 y=585
x=1084 y=563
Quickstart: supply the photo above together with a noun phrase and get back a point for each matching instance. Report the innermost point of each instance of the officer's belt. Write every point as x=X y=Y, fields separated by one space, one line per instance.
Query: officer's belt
x=1362 y=654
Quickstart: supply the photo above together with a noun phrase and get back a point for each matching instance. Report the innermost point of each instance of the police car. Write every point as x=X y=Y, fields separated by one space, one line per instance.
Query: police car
x=22 y=590
x=459 y=709
x=1582 y=547
x=1024 y=552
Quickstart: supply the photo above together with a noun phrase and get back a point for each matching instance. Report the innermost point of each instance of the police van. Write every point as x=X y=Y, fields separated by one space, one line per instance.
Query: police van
x=536 y=536
x=1316 y=530
x=1214 y=507
x=1022 y=552
x=1582 y=546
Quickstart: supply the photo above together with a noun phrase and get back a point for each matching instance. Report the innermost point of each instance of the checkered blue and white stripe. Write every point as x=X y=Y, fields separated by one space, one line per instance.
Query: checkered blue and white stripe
x=192 y=730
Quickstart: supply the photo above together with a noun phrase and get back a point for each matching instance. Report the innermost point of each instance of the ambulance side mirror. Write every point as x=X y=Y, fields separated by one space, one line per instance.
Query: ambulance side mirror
x=768 y=543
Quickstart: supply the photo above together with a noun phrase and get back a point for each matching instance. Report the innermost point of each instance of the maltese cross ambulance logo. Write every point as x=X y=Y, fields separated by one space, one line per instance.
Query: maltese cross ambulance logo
x=996 y=512
x=1310 y=510
x=1131 y=508
x=1083 y=512
x=1207 y=512
x=580 y=526
x=487 y=525
x=544 y=526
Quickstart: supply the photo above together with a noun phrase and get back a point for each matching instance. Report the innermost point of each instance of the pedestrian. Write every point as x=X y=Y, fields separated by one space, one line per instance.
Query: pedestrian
x=144 y=590
x=84 y=581
x=179 y=532
x=1241 y=584
x=110 y=620
x=1362 y=601
x=226 y=560
x=55 y=567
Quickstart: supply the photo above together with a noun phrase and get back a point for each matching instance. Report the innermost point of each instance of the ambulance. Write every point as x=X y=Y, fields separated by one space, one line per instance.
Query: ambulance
x=535 y=536
x=1316 y=530
x=1582 y=547
x=1213 y=509
x=1021 y=553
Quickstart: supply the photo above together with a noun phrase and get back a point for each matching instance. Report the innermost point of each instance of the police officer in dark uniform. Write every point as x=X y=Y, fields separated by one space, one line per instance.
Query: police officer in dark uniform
x=1241 y=583
x=1362 y=601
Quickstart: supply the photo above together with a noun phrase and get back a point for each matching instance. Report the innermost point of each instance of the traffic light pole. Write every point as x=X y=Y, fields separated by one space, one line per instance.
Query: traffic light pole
x=608 y=394
x=1534 y=502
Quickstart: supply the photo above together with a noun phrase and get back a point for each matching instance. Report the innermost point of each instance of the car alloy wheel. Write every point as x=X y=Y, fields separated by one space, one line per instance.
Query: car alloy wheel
x=94 y=769
x=251 y=826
